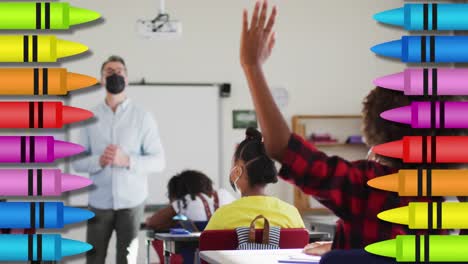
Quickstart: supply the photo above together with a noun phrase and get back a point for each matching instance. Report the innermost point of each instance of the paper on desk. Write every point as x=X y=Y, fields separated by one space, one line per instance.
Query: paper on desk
x=301 y=258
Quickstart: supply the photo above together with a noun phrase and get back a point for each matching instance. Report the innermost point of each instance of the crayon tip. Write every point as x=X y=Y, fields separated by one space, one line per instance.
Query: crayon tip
x=385 y=248
x=399 y=115
x=67 y=48
x=81 y=15
x=77 y=81
x=394 y=17
x=386 y=183
x=74 y=247
x=73 y=215
x=394 y=82
x=64 y=149
x=389 y=49
x=73 y=182
x=397 y=215
x=73 y=114
x=392 y=149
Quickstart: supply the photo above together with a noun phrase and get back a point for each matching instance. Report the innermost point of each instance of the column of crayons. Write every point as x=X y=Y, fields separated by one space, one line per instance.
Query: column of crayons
x=432 y=114
x=20 y=149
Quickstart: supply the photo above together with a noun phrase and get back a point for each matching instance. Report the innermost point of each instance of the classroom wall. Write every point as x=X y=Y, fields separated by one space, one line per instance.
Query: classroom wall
x=322 y=54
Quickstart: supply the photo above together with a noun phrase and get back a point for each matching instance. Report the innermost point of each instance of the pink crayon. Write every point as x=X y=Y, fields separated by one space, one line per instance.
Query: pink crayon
x=31 y=149
x=39 y=182
x=424 y=115
x=445 y=81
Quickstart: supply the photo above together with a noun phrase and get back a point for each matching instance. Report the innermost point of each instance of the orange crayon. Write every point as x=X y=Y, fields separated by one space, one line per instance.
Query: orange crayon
x=424 y=182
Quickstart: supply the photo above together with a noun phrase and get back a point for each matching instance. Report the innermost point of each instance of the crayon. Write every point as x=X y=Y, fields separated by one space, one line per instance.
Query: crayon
x=42 y=81
x=30 y=149
x=39 y=114
x=32 y=15
x=426 y=149
x=46 y=247
x=442 y=81
x=430 y=114
x=37 y=48
x=40 y=215
x=427 y=17
x=424 y=182
x=39 y=182
x=424 y=49
x=434 y=248
x=439 y=215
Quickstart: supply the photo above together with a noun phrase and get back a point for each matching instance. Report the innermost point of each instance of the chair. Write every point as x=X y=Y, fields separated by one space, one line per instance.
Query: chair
x=227 y=239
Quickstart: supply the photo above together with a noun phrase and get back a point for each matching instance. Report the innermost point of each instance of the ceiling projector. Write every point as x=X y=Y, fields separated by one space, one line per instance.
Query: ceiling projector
x=160 y=27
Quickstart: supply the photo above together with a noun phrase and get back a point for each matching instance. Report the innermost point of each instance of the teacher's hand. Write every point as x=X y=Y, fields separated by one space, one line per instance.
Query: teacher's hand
x=107 y=157
x=120 y=158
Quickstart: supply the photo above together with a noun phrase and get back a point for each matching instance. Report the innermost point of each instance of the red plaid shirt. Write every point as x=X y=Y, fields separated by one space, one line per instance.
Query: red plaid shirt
x=341 y=186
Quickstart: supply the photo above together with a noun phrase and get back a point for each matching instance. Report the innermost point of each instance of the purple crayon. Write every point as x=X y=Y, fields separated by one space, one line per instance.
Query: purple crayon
x=39 y=182
x=444 y=81
x=31 y=149
x=430 y=115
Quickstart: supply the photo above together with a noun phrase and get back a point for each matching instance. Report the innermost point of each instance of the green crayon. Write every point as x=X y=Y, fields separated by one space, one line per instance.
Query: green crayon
x=433 y=248
x=44 y=15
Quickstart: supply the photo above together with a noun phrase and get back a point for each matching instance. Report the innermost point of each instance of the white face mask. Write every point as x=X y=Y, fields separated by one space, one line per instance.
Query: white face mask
x=234 y=184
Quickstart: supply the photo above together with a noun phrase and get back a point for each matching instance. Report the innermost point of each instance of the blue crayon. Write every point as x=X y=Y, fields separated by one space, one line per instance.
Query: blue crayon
x=427 y=17
x=40 y=215
x=426 y=49
x=47 y=247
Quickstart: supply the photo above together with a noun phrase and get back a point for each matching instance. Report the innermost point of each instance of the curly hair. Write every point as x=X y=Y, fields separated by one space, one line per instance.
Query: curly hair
x=377 y=130
x=190 y=182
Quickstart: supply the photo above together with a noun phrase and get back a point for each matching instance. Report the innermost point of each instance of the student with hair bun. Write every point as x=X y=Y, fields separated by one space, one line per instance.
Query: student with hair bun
x=252 y=171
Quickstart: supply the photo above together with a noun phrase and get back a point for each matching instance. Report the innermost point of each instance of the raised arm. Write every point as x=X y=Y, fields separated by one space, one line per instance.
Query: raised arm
x=257 y=42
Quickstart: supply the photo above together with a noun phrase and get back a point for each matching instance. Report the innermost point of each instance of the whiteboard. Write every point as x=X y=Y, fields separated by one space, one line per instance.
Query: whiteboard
x=188 y=119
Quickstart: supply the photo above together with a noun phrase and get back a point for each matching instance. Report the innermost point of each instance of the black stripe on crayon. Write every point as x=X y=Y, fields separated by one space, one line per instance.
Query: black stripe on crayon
x=39 y=182
x=432 y=48
x=30 y=247
x=41 y=215
x=426 y=248
x=433 y=149
x=23 y=149
x=25 y=48
x=39 y=247
x=32 y=215
x=439 y=215
x=423 y=49
x=426 y=82
x=433 y=114
x=32 y=144
x=40 y=115
x=417 y=255
x=34 y=48
x=31 y=114
x=435 y=83
x=45 y=81
x=442 y=114
x=425 y=16
x=36 y=81
x=430 y=215
x=47 y=15
x=429 y=182
x=420 y=180
x=30 y=182
x=424 y=149
x=434 y=16
x=38 y=15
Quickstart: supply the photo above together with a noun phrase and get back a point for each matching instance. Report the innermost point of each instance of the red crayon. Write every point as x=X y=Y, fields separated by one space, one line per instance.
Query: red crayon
x=438 y=149
x=39 y=114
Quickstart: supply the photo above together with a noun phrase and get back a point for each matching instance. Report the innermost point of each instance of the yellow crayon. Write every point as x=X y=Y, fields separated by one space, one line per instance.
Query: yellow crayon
x=35 y=48
x=448 y=215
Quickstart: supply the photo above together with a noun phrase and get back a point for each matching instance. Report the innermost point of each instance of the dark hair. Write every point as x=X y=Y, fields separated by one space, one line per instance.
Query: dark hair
x=377 y=130
x=261 y=170
x=190 y=182
x=113 y=58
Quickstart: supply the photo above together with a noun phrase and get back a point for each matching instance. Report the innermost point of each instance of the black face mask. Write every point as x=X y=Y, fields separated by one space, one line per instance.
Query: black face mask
x=115 y=84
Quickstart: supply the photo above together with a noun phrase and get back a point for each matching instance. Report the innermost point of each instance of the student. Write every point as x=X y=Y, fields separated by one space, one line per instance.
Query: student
x=252 y=171
x=190 y=194
x=339 y=184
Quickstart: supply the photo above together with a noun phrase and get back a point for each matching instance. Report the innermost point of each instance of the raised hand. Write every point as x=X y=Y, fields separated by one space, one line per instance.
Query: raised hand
x=258 y=40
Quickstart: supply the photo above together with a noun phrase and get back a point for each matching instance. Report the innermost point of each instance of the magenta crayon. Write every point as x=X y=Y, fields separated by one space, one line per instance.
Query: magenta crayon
x=430 y=115
x=442 y=81
x=39 y=182
x=32 y=149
